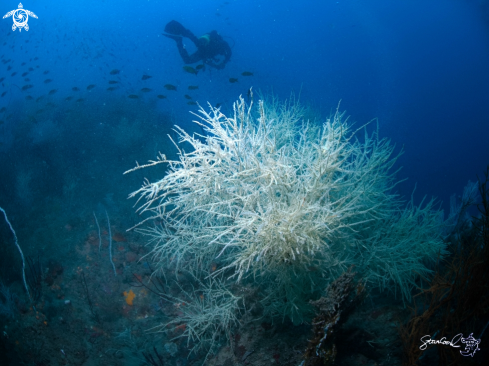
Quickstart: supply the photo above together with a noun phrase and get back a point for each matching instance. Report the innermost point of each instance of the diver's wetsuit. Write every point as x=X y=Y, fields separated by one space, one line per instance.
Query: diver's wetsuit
x=209 y=47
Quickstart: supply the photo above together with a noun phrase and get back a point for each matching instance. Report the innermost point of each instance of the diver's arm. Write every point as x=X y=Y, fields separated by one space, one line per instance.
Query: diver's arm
x=226 y=53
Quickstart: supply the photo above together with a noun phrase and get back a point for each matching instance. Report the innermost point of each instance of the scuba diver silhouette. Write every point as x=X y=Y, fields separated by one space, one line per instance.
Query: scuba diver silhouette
x=212 y=49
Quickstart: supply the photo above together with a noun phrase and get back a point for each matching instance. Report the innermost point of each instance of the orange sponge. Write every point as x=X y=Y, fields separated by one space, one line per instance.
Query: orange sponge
x=129 y=297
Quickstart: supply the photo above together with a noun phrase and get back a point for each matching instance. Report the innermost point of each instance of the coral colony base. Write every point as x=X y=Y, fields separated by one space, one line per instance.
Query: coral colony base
x=267 y=209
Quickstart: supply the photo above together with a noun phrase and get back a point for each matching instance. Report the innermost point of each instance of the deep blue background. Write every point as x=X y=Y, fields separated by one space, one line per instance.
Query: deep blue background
x=420 y=67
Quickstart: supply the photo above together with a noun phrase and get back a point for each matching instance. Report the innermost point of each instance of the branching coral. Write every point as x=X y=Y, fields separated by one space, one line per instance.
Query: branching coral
x=207 y=315
x=275 y=200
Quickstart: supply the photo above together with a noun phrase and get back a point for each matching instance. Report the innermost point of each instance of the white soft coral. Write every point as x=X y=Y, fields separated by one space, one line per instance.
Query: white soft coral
x=266 y=195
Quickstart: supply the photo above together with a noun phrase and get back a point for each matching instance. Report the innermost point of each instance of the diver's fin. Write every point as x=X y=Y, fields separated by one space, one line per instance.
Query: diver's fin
x=175 y=28
x=176 y=38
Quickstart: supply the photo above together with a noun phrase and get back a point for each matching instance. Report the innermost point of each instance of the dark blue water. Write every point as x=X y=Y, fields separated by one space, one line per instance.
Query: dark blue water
x=419 y=67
